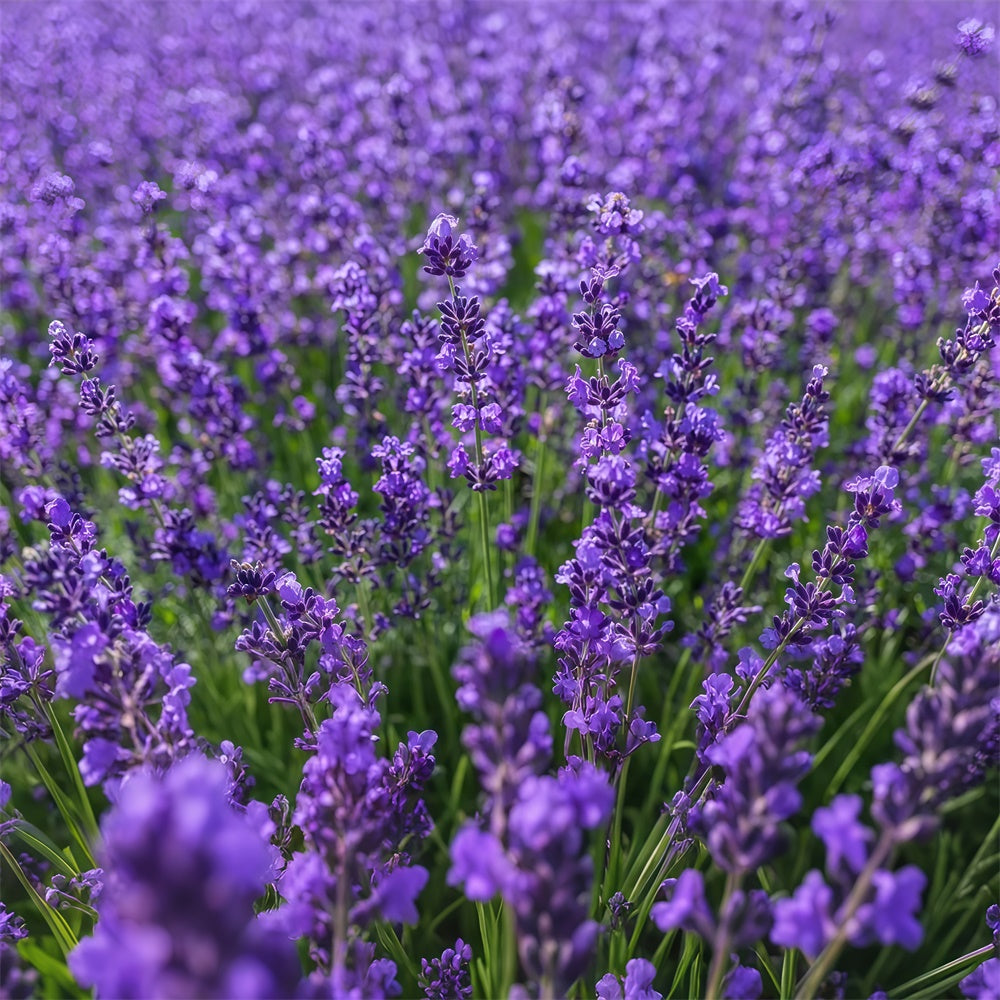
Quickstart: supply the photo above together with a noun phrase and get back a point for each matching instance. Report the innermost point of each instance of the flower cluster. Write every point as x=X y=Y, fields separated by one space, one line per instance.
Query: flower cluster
x=467 y=351
x=532 y=850
x=176 y=918
x=357 y=812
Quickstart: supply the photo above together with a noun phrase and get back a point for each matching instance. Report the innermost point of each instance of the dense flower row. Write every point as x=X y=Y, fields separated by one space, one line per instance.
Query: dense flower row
x=499 y=501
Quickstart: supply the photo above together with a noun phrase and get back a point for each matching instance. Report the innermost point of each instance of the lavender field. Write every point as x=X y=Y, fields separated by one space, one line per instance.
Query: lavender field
x=500 y=500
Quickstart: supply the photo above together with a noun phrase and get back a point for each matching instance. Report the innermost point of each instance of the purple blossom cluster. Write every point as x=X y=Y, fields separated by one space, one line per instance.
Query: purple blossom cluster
x=358 y=814
x=530 y=848
x=176 y=917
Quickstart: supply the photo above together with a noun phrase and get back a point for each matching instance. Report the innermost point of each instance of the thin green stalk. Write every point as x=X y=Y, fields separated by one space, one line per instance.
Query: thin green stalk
x=811 y=982
x=960 y=965
x=692 y=947
x=638 y=864
x=536 y=498
x=765 y=963
x=394 y=947
x=63 y=804
x=989 y=842
x=73 y=771
x=509 y=948
x=788 y=964
x=61 y=930
x=506 y=558
x=484 y=541
x=721 y=949
x=43 y=847
x=671 y=719
x=748 y=573
x=875 y=723
x=614 y=849
x=362 y=593
x=908 y=429
x=445 y=696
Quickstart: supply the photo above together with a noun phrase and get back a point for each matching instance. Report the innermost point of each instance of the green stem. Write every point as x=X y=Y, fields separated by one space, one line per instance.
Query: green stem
x=362 y=593
x=874 y=723
x=758 y=554
x=907 y=430
x=958 y=965
x=811 y=982
x=63 y=804
x=671 y=720
x=484 y=541
x=536 y=498
x=73 y=770
x=788 y=964
x=614 y=847
x=40 y=845
x=61 y=930
x=721 y=949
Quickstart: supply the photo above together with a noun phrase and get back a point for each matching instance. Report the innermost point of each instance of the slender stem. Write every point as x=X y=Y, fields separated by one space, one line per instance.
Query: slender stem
x=41 y=845
x=720 y=953
x=614 y=838
x=751 y=569
x=631 y=687
x=813 y=979
x=875 y=721
x=484 y=541
x=908 y=429
x=944 y=970
x=536 y=498
x=73 y=770
x=657 y=855
x=64 y=805
x=940 y=381
x=362 y=591
x=61 y=930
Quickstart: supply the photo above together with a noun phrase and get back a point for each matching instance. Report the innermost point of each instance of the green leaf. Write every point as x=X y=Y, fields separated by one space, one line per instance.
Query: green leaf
x=51 y=969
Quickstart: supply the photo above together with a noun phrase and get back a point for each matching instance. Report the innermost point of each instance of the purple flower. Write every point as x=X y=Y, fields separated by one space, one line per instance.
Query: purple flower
x=974 y=37
x=448 y=251
x=478 y=862
x=75 y=660
x=845 y=838
x=984 y=982
x=396 y=891
x=356 y=810
x=686 y=906
x=146 y=196
x=890 y=917
x=805 y=920
x=637 y=983
x=762 y=763
x=447 y=977
x=183 y=870
x=742 y=983
x=541 y=867
x=11 y=927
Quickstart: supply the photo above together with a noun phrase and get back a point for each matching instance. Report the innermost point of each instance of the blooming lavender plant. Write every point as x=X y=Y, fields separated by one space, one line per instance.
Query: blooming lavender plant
x=176 y=918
